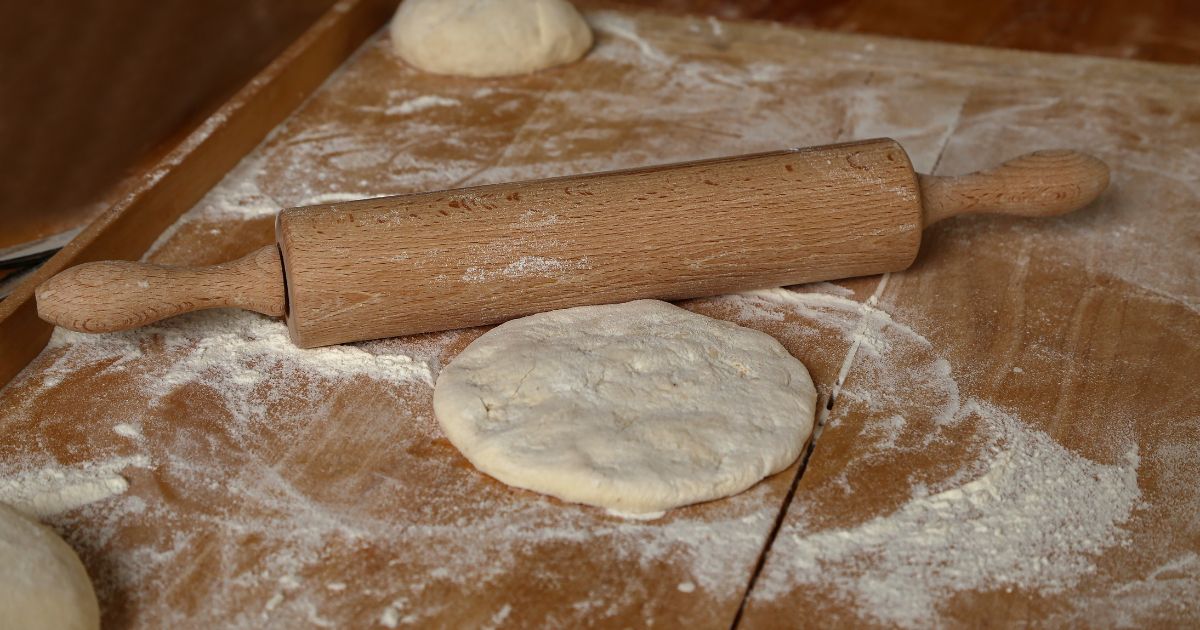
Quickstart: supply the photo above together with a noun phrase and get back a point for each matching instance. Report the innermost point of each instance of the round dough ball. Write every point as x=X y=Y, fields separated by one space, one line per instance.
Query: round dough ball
x=636 y=407
x=42 y=582
x=488 y=38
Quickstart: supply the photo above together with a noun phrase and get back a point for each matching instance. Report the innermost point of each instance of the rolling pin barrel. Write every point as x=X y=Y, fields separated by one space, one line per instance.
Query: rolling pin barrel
x=433 y=261
x=450 y=259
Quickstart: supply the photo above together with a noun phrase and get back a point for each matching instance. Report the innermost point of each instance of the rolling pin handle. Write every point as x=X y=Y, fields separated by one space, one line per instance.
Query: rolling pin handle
x=1038 y=184
x=117 y=295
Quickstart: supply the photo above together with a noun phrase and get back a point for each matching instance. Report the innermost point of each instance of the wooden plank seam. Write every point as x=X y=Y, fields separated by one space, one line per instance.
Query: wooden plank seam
x=867 y=307
x=822 y=416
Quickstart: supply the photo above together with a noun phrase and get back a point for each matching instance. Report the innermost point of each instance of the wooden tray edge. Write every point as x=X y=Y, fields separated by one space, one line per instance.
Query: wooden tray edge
x=168 y=187
x=1096 y=72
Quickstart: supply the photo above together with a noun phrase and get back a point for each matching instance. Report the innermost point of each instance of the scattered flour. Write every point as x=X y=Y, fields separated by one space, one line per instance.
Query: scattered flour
x=1023 y=497
x=1167 y=593
x=1034 y=519
x=1022 y=512
x=390 y=617
x=419 y=103
x=247 y=501
x=525 y=267
x=128 y=431
x=715 y=25
x=498 y=619
x=54 y=490
x=232 y=350
x=624 y=27
x=471 y=531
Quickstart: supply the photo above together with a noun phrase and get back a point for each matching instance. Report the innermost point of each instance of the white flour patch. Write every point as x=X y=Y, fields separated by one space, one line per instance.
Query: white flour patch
x=536 y=219
x=811 y=304
x=420 y=103
x=127 y=431
x=1167 y=592
x=1021 y=511
x=234 y=350
x=335 y=197
x=1034 y=518
x=715 y=25
x=54 y=490
x=235 y=197
x=312 y=509
x=826 y=288
x=463 y=543
x=527 y=267
x=498 y=618
x=624 y=27
x=235 y=353
x=390 y=618
x=238 y=197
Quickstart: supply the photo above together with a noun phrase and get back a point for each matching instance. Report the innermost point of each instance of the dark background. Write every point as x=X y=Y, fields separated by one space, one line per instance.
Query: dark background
x=90 y=89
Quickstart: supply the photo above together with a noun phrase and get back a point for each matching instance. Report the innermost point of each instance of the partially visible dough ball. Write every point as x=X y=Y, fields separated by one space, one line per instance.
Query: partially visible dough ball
x=42 y=582
x=488 y=38
x=636 y=407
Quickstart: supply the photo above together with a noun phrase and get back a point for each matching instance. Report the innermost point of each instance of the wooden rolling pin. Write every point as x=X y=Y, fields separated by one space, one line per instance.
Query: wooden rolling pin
x=434 y=261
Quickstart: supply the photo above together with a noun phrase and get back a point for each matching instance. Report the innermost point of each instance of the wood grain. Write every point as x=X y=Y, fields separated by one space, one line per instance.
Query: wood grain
x=104 y=92
x=1079 y=329
x=1040 y=184
x=474 y=256
x=116 y=295
x=1154 y=30
x=280 y=491
x=97 y=91
x=182 y=176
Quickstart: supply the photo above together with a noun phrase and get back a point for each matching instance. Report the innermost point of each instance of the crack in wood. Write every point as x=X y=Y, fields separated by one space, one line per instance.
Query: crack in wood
x=824 y=414
x=779 y=516
x=818 y=426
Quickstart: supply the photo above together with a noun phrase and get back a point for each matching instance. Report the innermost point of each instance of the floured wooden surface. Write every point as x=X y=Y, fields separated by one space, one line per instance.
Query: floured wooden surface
x=1021 y=444
x=1044 y=370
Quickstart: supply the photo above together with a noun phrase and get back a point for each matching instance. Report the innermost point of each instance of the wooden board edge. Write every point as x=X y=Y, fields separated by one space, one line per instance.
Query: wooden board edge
x=157 y=197
x=1097 y=73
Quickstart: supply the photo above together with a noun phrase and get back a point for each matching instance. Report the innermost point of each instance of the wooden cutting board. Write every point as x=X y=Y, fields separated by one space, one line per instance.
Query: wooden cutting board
x=1011 y=428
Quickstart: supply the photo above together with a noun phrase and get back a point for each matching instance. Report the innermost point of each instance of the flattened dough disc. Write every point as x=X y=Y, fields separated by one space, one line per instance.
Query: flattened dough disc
x=636 y=407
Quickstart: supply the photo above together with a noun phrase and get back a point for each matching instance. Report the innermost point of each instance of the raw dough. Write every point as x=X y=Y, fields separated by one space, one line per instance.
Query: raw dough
x=42 y=582
x=488 y=38
x=635 y=407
